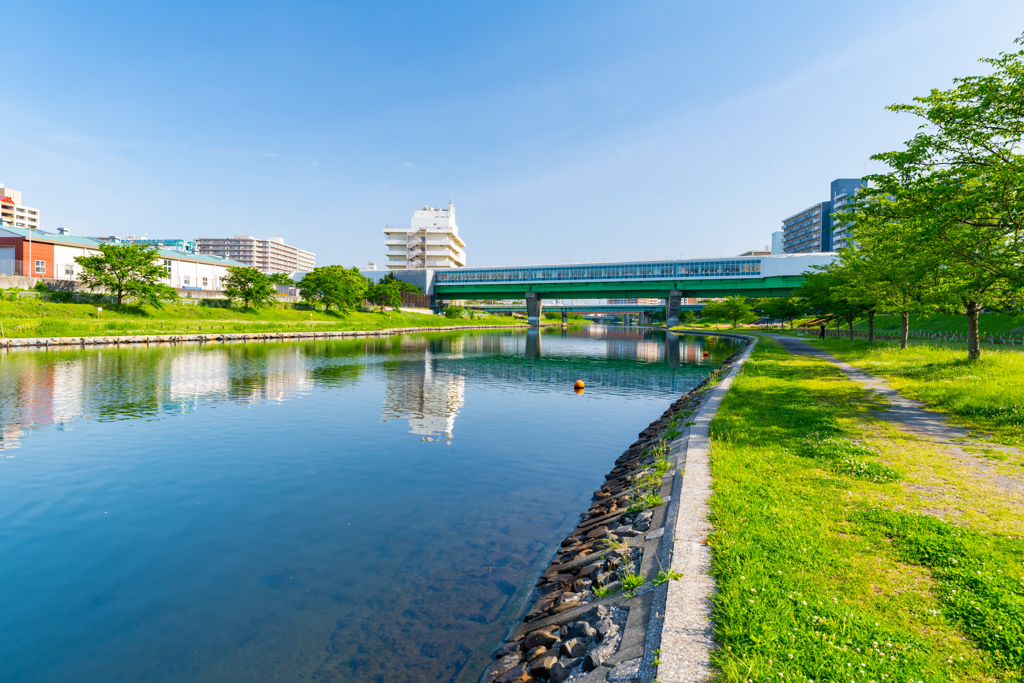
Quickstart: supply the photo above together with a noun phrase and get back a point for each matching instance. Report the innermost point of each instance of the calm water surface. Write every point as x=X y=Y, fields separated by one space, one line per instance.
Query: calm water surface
x=363 y=510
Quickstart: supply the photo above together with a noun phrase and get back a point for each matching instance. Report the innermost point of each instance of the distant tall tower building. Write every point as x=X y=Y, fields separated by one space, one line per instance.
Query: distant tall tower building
x=777 y=241
x=432 y=241
x=843 y=190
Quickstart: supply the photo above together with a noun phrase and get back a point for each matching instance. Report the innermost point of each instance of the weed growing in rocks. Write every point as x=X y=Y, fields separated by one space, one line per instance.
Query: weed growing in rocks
x=604 y=591
x=630 y=579
x=664 y=576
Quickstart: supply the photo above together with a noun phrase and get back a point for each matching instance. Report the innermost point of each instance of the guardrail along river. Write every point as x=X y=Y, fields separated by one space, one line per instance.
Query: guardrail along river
x=345 y=510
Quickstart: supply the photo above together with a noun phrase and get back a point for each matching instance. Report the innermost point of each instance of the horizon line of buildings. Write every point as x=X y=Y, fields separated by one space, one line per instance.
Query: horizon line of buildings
x=267 y=255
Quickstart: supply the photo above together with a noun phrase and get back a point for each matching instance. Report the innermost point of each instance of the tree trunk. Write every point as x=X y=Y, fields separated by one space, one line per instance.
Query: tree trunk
x=973 y=338
x=904 y=328
x=850 y=323
x=871 y=326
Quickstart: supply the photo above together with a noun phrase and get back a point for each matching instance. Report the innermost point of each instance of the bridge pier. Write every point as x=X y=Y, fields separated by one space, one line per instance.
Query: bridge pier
x=533 y=343
x=672 y=350
x=533 y=308
x=565 y=317
x=673 y=302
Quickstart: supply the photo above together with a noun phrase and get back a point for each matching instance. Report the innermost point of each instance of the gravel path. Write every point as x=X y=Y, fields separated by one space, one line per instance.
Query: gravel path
x=931 y=426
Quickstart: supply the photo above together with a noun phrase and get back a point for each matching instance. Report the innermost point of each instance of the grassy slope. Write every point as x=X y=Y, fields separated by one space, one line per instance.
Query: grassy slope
x=825 y=575
x=987 y=395
x=32 y=318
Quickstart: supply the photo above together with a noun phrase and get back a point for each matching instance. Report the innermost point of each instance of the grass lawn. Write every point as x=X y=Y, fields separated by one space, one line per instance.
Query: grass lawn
x=34 y=318
x=985 y=395
x=834 y=551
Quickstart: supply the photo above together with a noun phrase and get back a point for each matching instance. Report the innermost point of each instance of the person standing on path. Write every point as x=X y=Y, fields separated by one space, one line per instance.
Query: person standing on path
x=821 y=334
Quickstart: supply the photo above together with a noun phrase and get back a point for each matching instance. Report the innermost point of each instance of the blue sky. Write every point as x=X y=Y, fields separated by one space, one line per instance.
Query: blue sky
x=567 y=131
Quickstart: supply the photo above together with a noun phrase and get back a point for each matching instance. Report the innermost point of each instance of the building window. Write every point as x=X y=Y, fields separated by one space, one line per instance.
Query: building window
x=167 y=267
x=41 y=267
x=185 y=280
x=204 y=282
x=68 y=270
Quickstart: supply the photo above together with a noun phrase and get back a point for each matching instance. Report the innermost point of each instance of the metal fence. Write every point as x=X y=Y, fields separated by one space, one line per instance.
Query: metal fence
x=413 y=300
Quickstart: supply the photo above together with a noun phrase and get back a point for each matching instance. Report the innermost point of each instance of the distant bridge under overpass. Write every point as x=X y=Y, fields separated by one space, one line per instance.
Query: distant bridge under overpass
x=643 y=310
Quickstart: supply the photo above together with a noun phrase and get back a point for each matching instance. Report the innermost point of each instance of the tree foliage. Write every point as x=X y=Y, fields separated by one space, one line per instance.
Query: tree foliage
x=784 y=309
x=954 y=197
x=127 y=271
x=385 y=295
x=402 y=286
x=735 y=309
x=250 y=286
x=343 y=288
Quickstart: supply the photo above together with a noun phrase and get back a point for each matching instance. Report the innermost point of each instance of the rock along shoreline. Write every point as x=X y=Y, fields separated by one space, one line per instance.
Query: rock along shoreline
x=572 y=632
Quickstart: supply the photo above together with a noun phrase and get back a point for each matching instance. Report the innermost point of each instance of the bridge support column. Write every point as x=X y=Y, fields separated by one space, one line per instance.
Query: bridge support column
x=673 y=302
x=533 y=343
x=565 y=317
x=533 y=308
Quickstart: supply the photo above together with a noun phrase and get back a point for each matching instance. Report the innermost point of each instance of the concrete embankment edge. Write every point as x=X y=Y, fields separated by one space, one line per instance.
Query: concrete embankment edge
x=37 y=342
x=686 y=631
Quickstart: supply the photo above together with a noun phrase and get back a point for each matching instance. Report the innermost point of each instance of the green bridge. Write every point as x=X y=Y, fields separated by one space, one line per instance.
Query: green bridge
x=673 y=281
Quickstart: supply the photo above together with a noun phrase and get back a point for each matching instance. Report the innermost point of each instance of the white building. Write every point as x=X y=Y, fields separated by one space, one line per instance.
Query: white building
x=431 y=241
x=12 y=212
x=268 y=256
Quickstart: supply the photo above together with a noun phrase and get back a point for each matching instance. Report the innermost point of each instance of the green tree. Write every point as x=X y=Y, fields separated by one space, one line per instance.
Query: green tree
x=784 y=309
x=250 y=286
x=735 y=309
x=402 y=286
x=714 y=310
x=826 y=292
x=281 y=279
x=343 y=288
x=384 y=295
x=453 y=312
x=127 y=270
x=958 y=188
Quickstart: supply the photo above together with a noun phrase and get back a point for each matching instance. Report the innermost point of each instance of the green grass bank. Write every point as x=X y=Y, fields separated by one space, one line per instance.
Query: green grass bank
x=847 y=550
x=26 y=317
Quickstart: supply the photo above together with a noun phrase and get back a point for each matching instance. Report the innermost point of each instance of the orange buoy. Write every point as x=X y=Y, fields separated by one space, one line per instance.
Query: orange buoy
x=579 y=384
x=578 y=390
x=706 y=354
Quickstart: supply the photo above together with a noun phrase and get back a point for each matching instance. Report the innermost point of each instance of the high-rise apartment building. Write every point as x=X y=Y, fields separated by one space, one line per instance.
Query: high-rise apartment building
x=843 y=190
x=816 y=228
x=431 y=241
x=268 y=256
x=13 y=212
x=777 y=242
x=808 y=231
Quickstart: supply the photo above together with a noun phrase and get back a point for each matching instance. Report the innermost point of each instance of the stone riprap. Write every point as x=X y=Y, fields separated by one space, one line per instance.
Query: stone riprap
x=567 y=633
x=36 y=342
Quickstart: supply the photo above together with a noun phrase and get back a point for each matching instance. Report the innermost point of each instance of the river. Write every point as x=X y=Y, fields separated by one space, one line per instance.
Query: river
x=345 y=510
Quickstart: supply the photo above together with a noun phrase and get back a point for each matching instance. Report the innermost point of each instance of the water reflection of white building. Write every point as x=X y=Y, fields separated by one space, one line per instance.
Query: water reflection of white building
x=197 y=373
x=429 y=399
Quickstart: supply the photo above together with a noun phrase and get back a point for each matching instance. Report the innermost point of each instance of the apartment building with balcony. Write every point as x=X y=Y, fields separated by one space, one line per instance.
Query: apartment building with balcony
x=268 y=256
x=808 y=231
x=14 y=213
x=430 y=241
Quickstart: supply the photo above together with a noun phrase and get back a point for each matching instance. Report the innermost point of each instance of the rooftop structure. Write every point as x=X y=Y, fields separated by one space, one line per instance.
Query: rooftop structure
x=268 y=256
x=430 y=241
x=14 y=213
x=187 y=246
